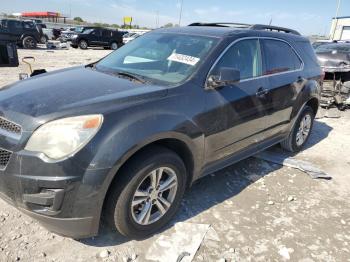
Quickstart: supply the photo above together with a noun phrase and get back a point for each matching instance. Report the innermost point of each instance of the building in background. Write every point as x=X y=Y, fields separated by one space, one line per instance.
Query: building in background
x=46 y=16
x=340 y=29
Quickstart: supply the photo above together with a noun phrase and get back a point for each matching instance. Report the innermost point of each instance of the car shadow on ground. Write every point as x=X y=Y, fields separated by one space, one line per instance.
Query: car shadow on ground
x=214 y=189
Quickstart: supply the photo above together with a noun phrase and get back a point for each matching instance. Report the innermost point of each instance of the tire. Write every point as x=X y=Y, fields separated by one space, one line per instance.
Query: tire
x=296 y=140
x=29 y=42
x=119 y=212
x=114 y=46
x=44 y=39
x=83 y=44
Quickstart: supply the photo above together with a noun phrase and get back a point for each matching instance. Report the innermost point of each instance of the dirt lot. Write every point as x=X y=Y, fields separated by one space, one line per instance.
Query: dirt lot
x=257 y=211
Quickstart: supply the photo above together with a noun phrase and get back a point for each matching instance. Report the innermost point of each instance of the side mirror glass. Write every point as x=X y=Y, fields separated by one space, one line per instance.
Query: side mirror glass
x=225 y=76
x=8 y=54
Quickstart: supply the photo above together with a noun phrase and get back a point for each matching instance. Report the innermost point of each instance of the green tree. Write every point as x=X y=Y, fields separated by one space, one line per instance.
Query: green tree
x=168 y=25
x=78 y=19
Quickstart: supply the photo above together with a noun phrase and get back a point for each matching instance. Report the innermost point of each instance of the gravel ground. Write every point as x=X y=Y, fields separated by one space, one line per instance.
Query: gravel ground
x=259 y=211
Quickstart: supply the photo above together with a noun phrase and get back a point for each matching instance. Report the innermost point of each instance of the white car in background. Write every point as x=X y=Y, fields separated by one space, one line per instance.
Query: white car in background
x=129 y=37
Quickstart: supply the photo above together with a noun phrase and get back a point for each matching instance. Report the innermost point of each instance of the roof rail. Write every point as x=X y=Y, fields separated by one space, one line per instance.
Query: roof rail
x=238 y=25
x=274 y=28
x=249 y=26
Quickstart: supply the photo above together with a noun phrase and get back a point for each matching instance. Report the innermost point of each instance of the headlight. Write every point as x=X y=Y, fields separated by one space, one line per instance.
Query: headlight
x=64 y=137
x=74 y=36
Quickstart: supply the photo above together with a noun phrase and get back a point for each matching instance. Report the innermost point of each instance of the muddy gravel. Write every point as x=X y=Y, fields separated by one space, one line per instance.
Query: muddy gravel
x=258 y=211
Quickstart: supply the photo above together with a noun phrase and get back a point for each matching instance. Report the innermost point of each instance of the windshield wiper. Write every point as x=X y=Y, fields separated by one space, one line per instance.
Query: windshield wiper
x=132 y=76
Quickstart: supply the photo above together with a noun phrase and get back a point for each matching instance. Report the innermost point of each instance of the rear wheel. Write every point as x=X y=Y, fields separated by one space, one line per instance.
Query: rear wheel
x=148 y=193
x=83 y=44
x=44 y=39
x=114 y=46
x=29 y=42
x=300 y=132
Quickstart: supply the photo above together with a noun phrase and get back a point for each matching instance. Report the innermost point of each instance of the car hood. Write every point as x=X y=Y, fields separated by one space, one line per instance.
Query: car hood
x=70 y=92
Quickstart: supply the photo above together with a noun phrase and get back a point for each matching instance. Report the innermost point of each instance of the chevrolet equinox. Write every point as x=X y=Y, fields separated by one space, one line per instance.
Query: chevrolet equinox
x=122 y=138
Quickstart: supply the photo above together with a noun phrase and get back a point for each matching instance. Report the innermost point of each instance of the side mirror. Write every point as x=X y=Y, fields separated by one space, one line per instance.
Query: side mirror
x=224 y=77
x=8 y=54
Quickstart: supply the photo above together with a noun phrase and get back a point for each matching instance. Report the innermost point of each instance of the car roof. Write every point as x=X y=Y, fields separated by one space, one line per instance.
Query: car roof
x=222 y=32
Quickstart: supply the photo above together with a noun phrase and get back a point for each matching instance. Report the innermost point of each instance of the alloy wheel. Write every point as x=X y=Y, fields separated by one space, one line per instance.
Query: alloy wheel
x=304 y=130
x=154 y=196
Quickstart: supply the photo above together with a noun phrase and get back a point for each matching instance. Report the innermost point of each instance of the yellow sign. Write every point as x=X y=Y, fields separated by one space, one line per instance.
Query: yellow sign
x=127 y=20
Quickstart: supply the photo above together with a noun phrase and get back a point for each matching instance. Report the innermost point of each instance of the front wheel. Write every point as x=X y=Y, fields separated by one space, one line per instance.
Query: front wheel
x=301 y=131
x=148 y=193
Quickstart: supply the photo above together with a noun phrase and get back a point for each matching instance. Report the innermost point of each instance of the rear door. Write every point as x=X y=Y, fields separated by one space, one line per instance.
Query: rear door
x=106 y=37
x=95 y=37
x=235 y=113
x=15 y=28
x=283 y=68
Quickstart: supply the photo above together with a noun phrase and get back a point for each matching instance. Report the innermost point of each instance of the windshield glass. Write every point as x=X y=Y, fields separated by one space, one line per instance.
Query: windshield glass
x=333 y=47
x=88 y=31
x=159 y=57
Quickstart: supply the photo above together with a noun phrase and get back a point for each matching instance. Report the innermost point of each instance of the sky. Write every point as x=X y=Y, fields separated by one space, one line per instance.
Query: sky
x=307 y=16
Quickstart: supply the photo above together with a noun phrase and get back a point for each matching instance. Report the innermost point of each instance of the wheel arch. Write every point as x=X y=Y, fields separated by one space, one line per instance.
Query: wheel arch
x=175 y=144
x=309 y=95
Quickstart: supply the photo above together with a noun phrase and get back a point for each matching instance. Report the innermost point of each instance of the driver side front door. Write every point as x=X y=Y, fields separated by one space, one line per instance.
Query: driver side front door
x=235 y=114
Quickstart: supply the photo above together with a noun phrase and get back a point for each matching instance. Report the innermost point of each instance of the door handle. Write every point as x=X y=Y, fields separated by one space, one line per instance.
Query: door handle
x=262 y=92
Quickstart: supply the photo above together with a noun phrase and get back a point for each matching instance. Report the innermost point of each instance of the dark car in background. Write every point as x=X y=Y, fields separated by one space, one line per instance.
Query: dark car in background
x=98 y=37
x=124 y=137
x=25 y=33
x=66 y=35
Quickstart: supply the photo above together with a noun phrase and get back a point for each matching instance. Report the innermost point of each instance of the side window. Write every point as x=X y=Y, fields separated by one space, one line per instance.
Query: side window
x=96 y=32
x=3 y=24
x=28 y=25
x=245 y=56
x=15 y=24
x=279 y=57
x=106 y=33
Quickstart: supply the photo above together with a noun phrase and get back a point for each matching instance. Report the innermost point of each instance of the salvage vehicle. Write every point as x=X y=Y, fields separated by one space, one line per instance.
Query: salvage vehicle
x=123 y=138
x=25 y=33
x=102 y=37
x=129 y=37
x=335 y=62
x=66 y=35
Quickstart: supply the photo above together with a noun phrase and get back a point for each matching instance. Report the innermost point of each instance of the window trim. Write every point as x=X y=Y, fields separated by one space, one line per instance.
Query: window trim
x=262 y=55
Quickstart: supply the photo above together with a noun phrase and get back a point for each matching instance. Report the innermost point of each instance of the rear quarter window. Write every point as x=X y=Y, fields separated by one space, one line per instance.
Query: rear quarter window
x=279 y=57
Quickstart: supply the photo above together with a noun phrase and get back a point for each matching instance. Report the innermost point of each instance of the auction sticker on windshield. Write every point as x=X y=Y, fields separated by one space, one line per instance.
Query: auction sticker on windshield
x=185 y=59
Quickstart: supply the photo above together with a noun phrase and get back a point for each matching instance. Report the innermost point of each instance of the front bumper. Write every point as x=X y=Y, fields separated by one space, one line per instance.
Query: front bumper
x=64 y=197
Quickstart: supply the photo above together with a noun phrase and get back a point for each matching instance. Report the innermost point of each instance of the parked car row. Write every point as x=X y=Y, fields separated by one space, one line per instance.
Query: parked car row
x=29 y=33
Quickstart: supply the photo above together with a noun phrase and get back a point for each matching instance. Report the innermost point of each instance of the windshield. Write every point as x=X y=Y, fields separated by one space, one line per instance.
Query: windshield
x=87 y=31
x=158 y=57
x=333 y=47
x=79 y=29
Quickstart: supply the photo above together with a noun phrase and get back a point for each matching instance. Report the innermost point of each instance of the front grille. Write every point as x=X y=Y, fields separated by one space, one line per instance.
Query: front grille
x=9 y=126
x=4 y=158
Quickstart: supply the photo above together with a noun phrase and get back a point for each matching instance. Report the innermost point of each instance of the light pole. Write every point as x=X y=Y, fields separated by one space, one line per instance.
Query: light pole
x=180 y=16
x=336 y=19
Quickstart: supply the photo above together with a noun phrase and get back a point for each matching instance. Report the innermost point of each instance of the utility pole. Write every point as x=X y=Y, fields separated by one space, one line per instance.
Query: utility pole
x=336 y=18
x=180 y=16
x=338 y=6
x=157 y=19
